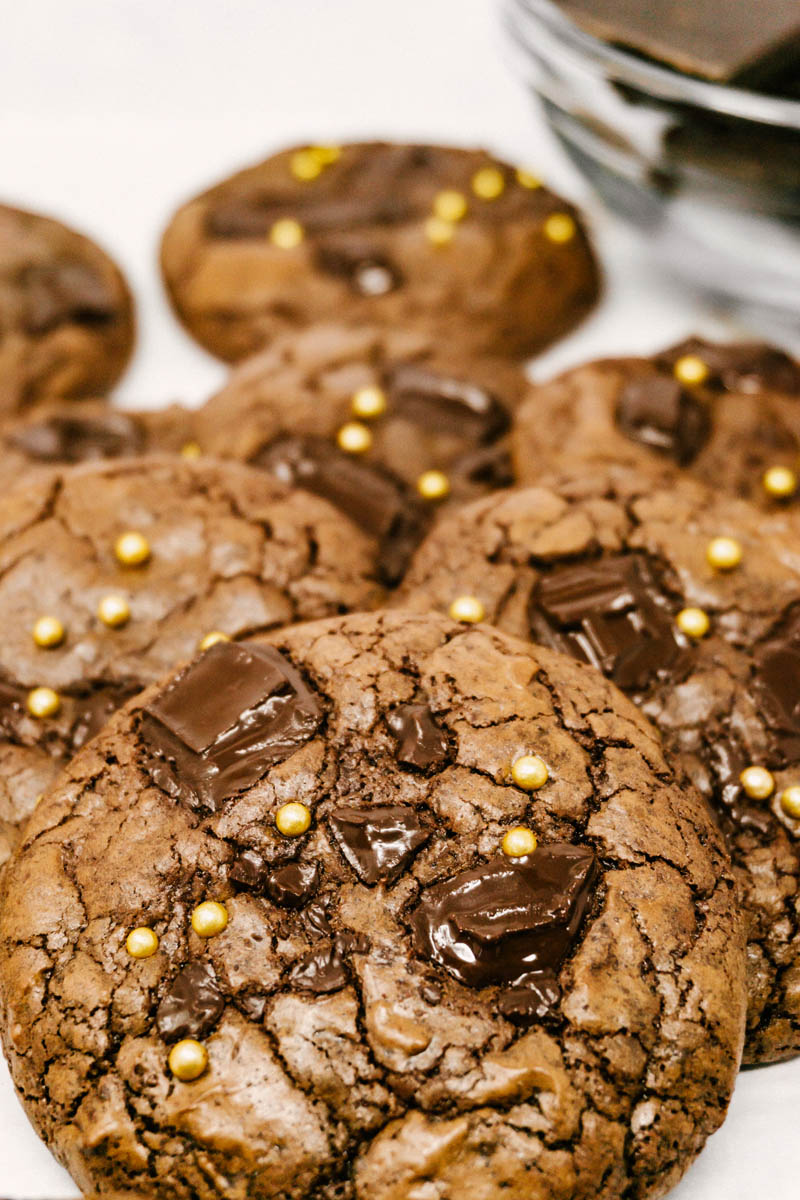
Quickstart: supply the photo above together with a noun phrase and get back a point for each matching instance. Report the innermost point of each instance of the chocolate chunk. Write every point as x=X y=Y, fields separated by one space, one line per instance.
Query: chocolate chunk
x=316 y=918
x=611 y=613
x=509 y=919
x=489 y=466
x=372 y=497
x=749 y=367
x=249 y=870
x=656 y=411
x=367 y=272
x=537 y=1001
x=379 y=841
x=63 y=292
x=293 y=884
x=79 y=439
x=442 y=404
x=224 y=721
x=192 y=1006
x=325 y=970
x=420 y=741
x=776 y=688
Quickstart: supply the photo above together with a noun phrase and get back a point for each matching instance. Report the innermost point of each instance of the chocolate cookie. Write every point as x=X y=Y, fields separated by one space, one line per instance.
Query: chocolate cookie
x=306 y=931
x=726 y=413
x=690 y=602
x=66 y=315
x=112 y=574
x=381 y=422
x=474 y=251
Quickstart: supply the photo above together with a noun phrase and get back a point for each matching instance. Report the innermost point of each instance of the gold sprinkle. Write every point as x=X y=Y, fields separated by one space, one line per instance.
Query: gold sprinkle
x=286 y=233
x=467 y=609
x=433 y=485
x=293 y=819
x=518 y=842
x=306 y=165
x=439 y=232
x=48 y=632
x=724 y=553
x=530 y=772
x=690 y=370
x=43 y=702
x=694 y=622
x=211 y=639
x=488 y=183
x=114 y=611
x=191 y=450
x=757 y=782
x=142 y=942
x=369 y=402
x=790 y=802
x=780 y=482
x=450 y=206
x=354 y=438
x=188 y=1060
x=209 y=919
x=326 y=154
x=559 y=228
x=528 y=180
x=132 y=549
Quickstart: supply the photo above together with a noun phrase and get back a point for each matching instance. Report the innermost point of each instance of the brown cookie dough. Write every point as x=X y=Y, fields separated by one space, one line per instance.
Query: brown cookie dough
x=602 y=564
x=728 y=414
x=66 y=315
x=382 y=422
x=467 y=247
x=294 y=935
x=231 y=552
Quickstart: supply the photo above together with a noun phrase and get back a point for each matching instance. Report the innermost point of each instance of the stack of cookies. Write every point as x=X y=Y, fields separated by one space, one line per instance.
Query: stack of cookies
x=399 y=762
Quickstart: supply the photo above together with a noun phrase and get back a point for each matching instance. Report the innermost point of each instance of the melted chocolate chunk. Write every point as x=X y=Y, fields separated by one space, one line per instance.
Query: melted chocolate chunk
x=316 y=918
x=749 y=367
x=610 y=613
x=65 y=292
x=80 y=439
x=326 y=970
x=293 y=884
x=224 y=721
x=420 y=741
x=776 y=688
x=249 y=870
x=445 y=405
x=656 y=411
x=537 y=1001
x=192 y=1006
x=488 y=467
x=367 y=272
x=372 y=497
x=377 y=842
x=509 y=919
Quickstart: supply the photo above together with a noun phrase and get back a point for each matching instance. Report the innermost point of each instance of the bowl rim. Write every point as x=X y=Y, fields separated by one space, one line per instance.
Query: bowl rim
x=652 y=78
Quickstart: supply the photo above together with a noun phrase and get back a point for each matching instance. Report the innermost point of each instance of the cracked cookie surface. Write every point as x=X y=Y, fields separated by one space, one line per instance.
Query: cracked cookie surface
x=375 y=994
x=607 y=565
x=66 y=315
x=451 y=239
x=231 y=551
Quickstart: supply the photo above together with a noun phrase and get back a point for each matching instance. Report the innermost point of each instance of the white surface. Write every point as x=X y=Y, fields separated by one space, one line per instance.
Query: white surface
x=113 y=111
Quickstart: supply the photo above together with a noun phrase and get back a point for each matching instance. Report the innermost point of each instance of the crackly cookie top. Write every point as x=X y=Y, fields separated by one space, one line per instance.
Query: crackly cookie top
x=450 y=238
x=380 y=906
x=690 y=601
x=385 y=423
x=727 y=413
x=66 y=316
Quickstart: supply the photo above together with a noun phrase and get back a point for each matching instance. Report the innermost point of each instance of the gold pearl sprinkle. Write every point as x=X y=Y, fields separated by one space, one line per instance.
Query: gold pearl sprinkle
x=326 y=154
x=690 y=370
x=528 y=180
x=467 y=609
x=286 y=234
x=439 y=232
x=450 y=206
x=369 y=402
x=790 y=802
x=48 y=632
x=488 y=183
x=354 y=438
x=530 y=772
x=211 y=639
x=191 y=450
x=780 y=482
x=142 y=942
x=114 y=611
x=132 y=549
x=518 y=842
x=694 y=622
x=757 y=782
x=293 y=819
x=559 y=228
x=43 y=702
x=433 y=485
x=209 y=919
x=188 y=1060
x=724 y=553
x=305 y=165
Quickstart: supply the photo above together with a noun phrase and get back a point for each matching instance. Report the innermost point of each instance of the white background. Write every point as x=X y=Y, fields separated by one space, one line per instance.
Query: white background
x=113 y=111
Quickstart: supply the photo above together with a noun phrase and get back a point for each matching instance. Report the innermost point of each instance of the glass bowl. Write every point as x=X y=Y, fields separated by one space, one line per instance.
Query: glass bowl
x=709 y=174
